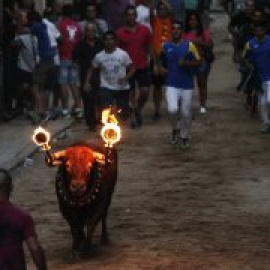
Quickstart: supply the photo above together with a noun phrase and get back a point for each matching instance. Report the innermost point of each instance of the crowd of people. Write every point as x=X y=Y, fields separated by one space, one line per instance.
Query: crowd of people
x=99 y=57
x=251 y=53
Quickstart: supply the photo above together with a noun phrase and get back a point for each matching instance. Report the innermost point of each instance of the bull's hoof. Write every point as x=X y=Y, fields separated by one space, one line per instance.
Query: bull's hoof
x=105 y=241
x=88 y=250
x=74 y=256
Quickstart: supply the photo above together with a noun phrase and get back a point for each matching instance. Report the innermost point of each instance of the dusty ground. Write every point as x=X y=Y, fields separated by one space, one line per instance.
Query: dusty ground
x=206 y=208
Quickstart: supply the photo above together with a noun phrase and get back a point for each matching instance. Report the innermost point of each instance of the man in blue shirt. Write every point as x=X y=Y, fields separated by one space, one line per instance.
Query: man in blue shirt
x=257 y=52
x=45 y=66
x=179 y=58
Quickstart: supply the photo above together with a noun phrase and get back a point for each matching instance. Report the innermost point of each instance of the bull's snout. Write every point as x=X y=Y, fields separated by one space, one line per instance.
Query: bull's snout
x=77 y=188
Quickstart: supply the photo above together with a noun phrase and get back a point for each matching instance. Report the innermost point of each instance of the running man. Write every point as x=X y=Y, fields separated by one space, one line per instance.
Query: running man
x=116 y=69
x=257 y=52
x=179 y=57
x=136 y=40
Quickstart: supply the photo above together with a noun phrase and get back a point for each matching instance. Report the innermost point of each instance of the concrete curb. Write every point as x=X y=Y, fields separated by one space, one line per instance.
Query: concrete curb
x=32 y=150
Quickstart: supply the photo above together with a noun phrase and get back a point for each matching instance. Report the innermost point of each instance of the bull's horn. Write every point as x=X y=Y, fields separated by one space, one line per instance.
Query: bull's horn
x=99 y=157
x=59 y=154
x=57 y=157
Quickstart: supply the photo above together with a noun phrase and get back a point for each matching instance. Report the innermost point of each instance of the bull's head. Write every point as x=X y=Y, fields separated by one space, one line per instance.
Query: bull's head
x=79 y=163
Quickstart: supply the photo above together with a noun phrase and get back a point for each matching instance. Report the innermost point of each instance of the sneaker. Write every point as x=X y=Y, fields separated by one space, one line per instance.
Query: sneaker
x=44 y=117
x=203 y=110
x=34 y=117
x=174 y=136
x=53 y=115
x=265 y=129
x=185 y=143
x=79 y=115
x=66 y=114
x=78 y=112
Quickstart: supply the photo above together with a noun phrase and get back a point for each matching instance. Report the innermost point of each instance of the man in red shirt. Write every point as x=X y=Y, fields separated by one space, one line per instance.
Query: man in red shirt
x=68 y=76
x=136 y=40
x=16 y=226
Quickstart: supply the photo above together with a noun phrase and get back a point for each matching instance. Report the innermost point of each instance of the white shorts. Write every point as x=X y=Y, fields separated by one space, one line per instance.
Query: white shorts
x=175 y=96
x=266 y=91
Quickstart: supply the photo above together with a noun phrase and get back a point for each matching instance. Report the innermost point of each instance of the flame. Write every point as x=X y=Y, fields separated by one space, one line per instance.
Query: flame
x=111 y=131
x=41 y=137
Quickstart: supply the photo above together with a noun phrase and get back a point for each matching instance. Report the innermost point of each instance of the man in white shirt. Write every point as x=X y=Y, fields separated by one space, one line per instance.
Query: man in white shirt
x=54 y=36
x=26 y=46
x=144 y=10
x=116 y=69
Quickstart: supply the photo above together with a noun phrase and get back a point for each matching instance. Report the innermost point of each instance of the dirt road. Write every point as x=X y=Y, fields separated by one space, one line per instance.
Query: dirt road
x=206 y=208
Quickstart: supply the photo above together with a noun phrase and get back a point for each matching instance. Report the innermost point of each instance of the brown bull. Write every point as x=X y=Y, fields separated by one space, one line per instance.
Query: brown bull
x=84 y=188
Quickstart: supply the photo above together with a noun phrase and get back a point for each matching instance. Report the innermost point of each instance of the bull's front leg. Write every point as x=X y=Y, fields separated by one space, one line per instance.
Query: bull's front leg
x=104 y=232
x=78 y=239
x=100 y=214
x=105 y=240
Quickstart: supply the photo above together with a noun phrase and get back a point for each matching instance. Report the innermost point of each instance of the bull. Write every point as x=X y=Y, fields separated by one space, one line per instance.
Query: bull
x=85 y=182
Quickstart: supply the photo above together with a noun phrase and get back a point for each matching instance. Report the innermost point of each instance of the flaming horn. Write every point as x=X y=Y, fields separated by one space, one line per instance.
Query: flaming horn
x=42 y=138
x=110 y=132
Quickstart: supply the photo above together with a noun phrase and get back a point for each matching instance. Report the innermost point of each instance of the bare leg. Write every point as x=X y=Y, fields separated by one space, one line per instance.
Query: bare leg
x=37 y=98
x=44 y=100
x=202 y=85
x=132 y=99
x=64 y=95
x=157 y=98
x=76 y=96
x=142 y=98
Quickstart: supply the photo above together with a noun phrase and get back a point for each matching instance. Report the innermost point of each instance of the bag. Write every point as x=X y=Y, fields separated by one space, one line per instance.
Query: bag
x=209 y=55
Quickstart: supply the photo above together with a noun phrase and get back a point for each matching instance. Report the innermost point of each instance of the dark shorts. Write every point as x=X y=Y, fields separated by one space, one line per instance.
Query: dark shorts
x=24 y=78
x=52 y=82
x=204 y=68
x=43 y=72
x=157 y=80
x=254 y=84
x=141 y=78
x=119 y=99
